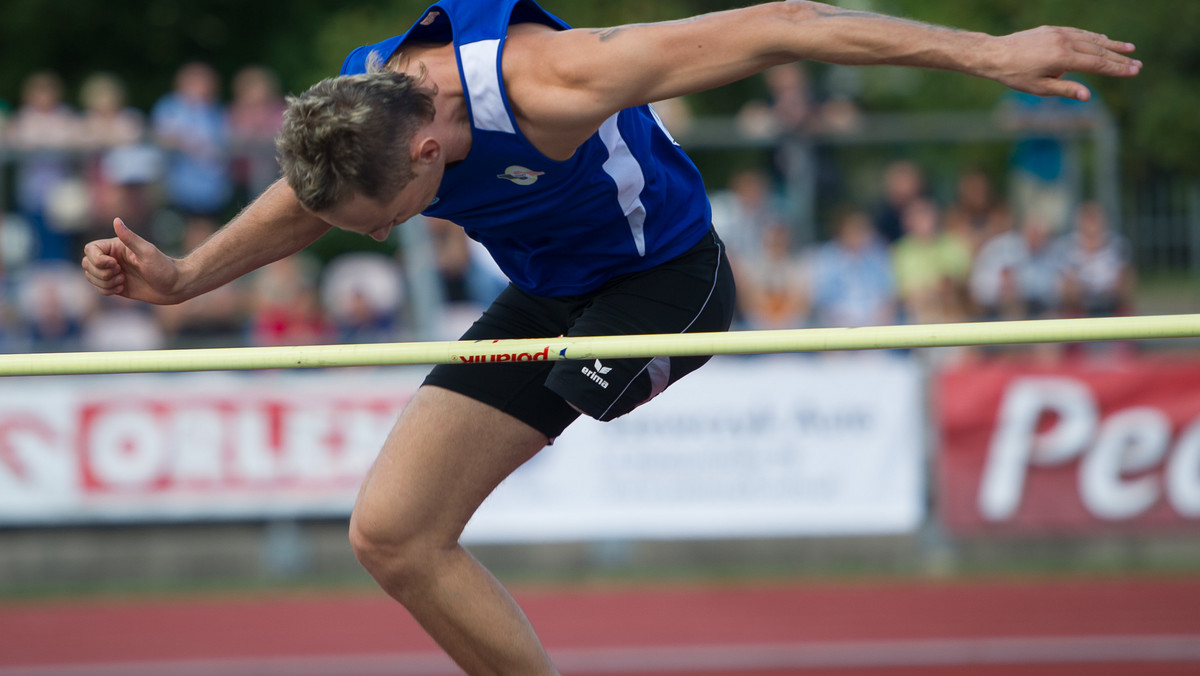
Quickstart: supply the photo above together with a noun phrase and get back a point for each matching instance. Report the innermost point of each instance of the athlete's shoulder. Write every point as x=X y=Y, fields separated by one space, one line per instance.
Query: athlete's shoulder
x=454 y=21
x=434 y=25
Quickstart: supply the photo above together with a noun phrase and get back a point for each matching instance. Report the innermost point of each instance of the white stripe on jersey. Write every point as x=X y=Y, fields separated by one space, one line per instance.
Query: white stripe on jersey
x=625 y=171
x=482 y=75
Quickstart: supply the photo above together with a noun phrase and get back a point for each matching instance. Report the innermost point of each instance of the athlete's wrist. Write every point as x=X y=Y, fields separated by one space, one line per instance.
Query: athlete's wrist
x=985 y=56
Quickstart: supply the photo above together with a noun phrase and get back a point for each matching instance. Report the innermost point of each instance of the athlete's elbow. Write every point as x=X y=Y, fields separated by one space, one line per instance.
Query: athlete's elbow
x=798 y=11
x=784 y=29
x=803 y=9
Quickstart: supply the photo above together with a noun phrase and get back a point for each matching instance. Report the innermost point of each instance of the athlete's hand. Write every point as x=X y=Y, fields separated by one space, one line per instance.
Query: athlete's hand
x=129 y=266
x=1035 y=60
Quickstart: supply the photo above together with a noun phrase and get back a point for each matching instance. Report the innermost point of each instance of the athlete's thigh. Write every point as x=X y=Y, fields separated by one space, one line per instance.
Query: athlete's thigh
x=446 y=453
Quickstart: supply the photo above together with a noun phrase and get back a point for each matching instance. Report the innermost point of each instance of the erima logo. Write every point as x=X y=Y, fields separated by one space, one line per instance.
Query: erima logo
x=520 y=175
x=595 y=375
x=430 y=18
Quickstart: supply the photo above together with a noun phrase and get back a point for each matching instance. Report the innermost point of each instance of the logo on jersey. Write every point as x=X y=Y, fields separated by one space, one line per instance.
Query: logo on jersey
x=594 y=375
x=520 y=175
x=430 y=18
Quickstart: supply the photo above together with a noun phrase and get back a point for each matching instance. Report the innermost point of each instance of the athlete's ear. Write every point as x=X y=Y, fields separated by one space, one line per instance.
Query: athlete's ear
x=427 y=150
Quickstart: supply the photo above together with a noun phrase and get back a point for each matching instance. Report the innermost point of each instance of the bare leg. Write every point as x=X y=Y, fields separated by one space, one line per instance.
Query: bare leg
x=446 y=453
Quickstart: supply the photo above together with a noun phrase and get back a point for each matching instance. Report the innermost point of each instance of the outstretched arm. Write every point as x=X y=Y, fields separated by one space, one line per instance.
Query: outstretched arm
x=273 y=227
x=588 y=74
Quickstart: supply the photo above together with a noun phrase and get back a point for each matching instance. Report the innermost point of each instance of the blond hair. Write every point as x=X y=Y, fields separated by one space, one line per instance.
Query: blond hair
x=350 y=135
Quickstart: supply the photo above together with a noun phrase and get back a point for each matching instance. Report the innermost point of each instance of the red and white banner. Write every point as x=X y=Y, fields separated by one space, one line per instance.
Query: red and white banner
x=1070 y=449
x=162 y=447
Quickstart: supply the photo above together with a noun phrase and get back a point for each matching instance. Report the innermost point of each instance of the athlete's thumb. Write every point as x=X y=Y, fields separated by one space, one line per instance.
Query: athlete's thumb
x=1067 y=89
x=131 y=239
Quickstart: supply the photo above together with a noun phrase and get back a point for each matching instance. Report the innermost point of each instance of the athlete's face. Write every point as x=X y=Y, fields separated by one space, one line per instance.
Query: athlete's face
x=375 y=218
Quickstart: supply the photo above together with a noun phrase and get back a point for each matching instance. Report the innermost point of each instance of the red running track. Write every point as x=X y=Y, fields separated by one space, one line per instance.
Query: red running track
x=1064 y=628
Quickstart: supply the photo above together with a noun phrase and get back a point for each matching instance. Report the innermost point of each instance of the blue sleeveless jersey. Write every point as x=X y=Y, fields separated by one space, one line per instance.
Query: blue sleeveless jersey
x=628 y=200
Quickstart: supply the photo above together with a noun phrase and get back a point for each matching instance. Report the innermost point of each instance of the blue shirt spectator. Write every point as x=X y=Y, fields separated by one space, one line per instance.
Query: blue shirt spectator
x=1044 y=173
x=852 y=282
x=191 y=124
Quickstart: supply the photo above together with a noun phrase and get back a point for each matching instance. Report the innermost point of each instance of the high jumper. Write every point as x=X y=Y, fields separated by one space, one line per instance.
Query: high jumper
x=540 y=141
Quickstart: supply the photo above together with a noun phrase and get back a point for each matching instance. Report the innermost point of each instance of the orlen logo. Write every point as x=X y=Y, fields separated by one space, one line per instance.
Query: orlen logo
x=594 y=376
x=544 y=355
x=1115 y=453
x=520 y=175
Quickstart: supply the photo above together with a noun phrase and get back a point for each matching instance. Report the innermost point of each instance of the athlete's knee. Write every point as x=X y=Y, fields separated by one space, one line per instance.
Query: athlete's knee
x=396 y=552
x=383 y=545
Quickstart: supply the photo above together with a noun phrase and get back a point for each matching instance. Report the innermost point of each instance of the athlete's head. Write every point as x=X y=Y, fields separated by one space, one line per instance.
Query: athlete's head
x=350 y=136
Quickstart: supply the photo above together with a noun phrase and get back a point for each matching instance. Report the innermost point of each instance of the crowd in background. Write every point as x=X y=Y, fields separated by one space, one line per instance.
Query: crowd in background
x=174 y=174
x=911 y=259
x=179 y=171
x=1031 y=251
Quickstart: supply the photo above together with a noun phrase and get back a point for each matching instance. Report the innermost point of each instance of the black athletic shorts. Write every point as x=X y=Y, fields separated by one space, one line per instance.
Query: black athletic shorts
x=693 y=292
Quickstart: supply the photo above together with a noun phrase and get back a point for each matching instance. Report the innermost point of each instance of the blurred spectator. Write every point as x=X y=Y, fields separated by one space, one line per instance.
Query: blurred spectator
x=122 y=324
x=793 y=107
x=44 y=130
x=976 y=214
x=794 y=111
x=107 y=121
x=931 y=267
x=108 y=126
x=53 y=302
x=772 y=293
x=255 y=116
x=452 y=257
x=903 y=184
x=284 y=306
x=363 y=294
x=213 y=319
x=468 y=273
x=17 y=241
x=1018 y=274
x=189 y=123
x=744 y=212
x=851 y=276
x=1043 y=168
x=790 y=107
x=130 y=174
x=1098 y=280
x=485 y=279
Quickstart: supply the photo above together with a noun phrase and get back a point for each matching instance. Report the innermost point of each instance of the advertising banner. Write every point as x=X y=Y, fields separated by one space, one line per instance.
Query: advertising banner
x=744 y=447
x=1069 y=449
x=137 y=448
